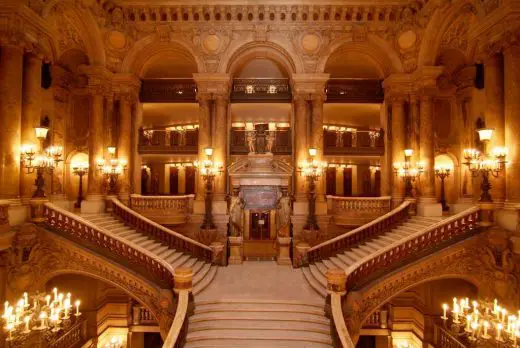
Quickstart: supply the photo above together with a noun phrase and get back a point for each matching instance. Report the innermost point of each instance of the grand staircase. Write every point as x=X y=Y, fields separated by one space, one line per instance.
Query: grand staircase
x=257 y=323
x=203 y=272
x=344 y=259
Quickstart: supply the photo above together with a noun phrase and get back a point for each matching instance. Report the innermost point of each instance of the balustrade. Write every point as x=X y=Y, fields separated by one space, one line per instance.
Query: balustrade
x=160 y=233
x=443 y=339
x=359 y=235
x=72 y=337
x=353 y=142
x=139 y=259
x=412 y=247
x=165 y=140
x=356 y=211
x=167 y=210
x=142 y=316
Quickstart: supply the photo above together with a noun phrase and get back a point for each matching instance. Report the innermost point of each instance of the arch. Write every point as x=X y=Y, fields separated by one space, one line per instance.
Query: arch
x=84 y=24
x=437 y=27
x=149 y=47
x=377 y=49
x=268 y=50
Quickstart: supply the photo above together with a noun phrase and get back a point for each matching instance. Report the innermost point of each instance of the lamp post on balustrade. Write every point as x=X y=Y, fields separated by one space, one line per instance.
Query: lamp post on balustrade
x=79 y=169
x=312 y=169
x=408 y=172
x=442 y=172
x=208 y=170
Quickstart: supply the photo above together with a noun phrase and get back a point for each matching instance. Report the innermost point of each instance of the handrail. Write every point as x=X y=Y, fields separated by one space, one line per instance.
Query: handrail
x=77 y=227
x=179 y=321
x=360 y=234
x=339 y=322
x=443 y=338
x=177 y=197
x=341 y=198
x=166 y=236
x=442 y=231
x=72 y=336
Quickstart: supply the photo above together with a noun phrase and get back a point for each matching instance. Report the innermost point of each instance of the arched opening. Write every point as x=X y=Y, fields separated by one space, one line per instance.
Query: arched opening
x=108 y=314
x=412 y=318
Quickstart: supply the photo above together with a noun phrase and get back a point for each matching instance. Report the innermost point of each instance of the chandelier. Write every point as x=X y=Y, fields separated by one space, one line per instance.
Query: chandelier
x=47 y=314
x=208 y=170
x=46 y=160
x=486 y=164
x=111 y=168
x=312 y=169
x=408 y=172
x=482 y=322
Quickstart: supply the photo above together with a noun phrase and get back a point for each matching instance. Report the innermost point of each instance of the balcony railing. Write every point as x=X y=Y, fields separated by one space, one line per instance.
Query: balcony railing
x=261 y=90
x=443 y=339
x=281 y=145
x=355 y=91
x=73 y=337
x=357 y=211
x=165 y=210
x=168 y=91
x=142 y=316
x=161 y=141
x=354 y=143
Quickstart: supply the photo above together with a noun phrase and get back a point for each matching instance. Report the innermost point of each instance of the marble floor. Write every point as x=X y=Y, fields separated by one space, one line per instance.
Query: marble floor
x=260 y=280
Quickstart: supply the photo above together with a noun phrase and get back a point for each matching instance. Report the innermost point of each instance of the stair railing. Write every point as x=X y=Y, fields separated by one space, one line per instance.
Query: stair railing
x=360 y=234
x=75 y=227
x=160 y=233
x=179 y=327
x=383 y=260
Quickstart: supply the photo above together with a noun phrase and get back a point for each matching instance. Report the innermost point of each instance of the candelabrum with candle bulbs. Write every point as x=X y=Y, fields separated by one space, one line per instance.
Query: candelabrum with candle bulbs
x=312 y=169
x=41 y=161
x=79 y=169
x=485 y=164
x=482 y=322
x=48 y=314
x=442 y=172
x=408 y=172
x=208 y=170
x=111 y=168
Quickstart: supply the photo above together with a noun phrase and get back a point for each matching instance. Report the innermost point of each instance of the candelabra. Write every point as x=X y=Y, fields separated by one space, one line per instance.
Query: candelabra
x=442 y=172
x=111 y=169
x=208 y=170
x=408 y=172
x=485 y=164
x=41 y=161
x=115 y=342
x=49 y=315
x=482 y=322
x=312 y=169
x=79 y=169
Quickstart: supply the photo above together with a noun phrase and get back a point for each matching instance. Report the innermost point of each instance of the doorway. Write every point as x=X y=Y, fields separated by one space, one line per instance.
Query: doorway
x=260 y=226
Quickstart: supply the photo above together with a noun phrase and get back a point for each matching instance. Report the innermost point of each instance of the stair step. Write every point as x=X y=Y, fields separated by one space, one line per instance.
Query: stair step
x=368 y=248
x=348 y=257
x=360 y=253
x=205 y=280
x=157 y=248
x=330 y=264
x=147 y=243
x=317 y=274
x=202 y=272
x=173 y=257
x=338 y=263
x=257 y=307
x=260 y=316
x=268 y=335
x=180 y=261
x=197 y=267
x=313 y=282
x=251 y=343
x=322 y=268
x=259 y=325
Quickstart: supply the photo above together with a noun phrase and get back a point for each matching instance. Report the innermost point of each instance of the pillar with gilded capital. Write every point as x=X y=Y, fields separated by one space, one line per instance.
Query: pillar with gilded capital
x=11 y=75
x=494 y=116
x=398 y=145
x=512 y=122
x=204 y=139
x=124 y=143
x=300 y=130
x=31 y=113
x=317 y=101
x=220 y=143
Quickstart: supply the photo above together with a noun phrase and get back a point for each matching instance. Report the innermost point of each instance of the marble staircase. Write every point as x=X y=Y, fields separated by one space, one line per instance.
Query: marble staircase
x=315 y=272
x=203 y=272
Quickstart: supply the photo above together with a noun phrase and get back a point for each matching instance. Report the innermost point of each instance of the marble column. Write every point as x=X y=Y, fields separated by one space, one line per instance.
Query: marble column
x=204 y=137
x=468 y=133
x=512 y=122
x=124 y=143
x=95 y=152
x=428 y=205
x=386 y=161
x=220 y=144
x=136 y=162
x=415 y=122
x=11 y=75
x=317 y=101
x=300 y=144
x=398 y=146
x=494 y=116
x=31 y=114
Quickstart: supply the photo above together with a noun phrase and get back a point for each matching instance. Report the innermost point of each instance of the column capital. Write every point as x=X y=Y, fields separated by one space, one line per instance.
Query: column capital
x=397 y=86
x=212 y=84
x=98 y=79
x=309 y=84
x=464 y=79
x=424 y=79
x=126 y=86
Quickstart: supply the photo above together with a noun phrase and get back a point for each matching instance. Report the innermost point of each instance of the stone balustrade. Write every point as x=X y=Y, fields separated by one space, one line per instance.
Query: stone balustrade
x=164 y=210
x=413 y=247
x=443 y=338
x=73 y=336
x=357 y=211
x=142 y=316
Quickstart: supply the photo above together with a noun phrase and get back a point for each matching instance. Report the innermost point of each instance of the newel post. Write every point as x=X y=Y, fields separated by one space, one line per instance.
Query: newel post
x=217 y=254
x=486 y=214
x=300 y=258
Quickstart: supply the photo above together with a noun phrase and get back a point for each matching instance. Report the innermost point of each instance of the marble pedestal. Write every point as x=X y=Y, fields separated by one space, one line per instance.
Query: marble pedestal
x=283 y=254
x=235 y=250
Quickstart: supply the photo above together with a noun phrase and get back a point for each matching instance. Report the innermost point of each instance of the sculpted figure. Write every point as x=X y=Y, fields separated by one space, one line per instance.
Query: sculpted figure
x=284 y=215
x=235 y=215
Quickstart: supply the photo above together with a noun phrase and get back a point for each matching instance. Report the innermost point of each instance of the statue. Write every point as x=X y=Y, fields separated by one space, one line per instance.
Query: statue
x=235 y=215
x=251 y=139
x=270 y=141
x=283 y=215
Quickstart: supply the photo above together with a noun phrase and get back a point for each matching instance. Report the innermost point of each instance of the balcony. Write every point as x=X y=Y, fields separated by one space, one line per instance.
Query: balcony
x=168 y=91
x=259 y=90
x=168 y=140
x=281 y=144
x=353 y=142
x=351 y=90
